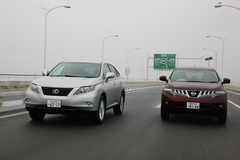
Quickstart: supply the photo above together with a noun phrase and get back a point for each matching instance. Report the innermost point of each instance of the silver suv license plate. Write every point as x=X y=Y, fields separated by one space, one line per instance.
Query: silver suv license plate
x=54 y=103
x=193 y=105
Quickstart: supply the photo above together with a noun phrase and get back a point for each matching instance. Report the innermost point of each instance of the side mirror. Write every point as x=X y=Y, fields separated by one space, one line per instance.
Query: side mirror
x=110 y=75
x=45 y=72
x=226 y=81
x=163 y=78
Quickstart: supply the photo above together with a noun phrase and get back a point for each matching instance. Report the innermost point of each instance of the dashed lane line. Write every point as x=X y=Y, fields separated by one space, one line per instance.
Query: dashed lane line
x=234 y=104
x=11 y=115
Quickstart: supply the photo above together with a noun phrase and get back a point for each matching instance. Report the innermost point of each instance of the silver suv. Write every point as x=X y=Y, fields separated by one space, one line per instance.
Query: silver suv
x=74 y=87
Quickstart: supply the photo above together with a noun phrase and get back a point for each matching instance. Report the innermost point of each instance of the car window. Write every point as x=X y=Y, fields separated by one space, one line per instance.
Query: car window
x=76 y=69
x=113 y=69
x=106 y=69
x=207 y=76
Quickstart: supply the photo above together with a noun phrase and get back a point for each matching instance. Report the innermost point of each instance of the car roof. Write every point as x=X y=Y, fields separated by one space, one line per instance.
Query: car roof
x=194 y=68
x=82 y=61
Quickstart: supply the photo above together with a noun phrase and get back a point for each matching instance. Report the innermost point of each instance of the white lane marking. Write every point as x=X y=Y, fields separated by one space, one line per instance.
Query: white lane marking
x=11 y=115
x=234 y=104
x=158 y=106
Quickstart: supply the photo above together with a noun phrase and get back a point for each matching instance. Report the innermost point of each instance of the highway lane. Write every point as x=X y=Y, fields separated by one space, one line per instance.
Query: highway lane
x=137 y=134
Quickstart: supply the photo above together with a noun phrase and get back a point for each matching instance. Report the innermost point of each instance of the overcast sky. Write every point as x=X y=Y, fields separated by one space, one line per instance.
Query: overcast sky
x=153 y=26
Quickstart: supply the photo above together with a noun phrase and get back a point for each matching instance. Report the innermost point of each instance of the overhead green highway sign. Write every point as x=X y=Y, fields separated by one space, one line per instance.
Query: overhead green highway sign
x=164 y=61
x=208 y=58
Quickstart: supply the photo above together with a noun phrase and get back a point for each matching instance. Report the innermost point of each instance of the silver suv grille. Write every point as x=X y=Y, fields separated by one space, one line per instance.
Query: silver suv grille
x=193 y=94
x=56 y=91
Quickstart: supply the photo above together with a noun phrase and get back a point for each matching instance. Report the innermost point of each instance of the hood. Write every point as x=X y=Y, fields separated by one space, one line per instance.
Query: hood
x=194 y=85
x=65 y=82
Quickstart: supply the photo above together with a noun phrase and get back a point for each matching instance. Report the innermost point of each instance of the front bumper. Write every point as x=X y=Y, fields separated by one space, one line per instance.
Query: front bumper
x=208 y=106
x=69 y=104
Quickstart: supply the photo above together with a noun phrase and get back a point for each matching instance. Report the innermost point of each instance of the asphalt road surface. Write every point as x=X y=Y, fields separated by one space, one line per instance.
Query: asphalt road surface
x=137 y=134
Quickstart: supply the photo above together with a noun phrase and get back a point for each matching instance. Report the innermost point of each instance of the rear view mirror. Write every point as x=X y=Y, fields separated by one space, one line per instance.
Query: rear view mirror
x=45 y=72
x=226 y=81
x=110 y=75
x=163 y=78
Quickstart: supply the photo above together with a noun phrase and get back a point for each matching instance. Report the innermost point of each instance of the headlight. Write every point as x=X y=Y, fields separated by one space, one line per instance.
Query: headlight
x=85 y=89
x=218 y=94
x=34 y=87
x=170 y=91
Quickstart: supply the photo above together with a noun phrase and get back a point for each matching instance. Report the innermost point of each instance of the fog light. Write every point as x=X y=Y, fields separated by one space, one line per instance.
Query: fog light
x=89 y=104
x=220 y=106
x=166 y=103
x=27 y=100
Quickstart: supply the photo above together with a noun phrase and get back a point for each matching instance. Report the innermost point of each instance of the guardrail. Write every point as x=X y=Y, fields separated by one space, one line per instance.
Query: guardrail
x=14 y=86
x=233 y=86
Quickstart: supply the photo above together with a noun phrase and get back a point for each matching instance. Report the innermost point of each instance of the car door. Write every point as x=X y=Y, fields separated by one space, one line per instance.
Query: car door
x=118 y=83
x=109 y=86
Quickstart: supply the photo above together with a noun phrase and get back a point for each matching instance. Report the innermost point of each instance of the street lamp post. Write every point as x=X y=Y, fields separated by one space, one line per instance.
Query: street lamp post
x=215 y=56
x=142 y=67
x=222 y=39
x=127 y=69
x=220 y=5
x=103 y=39
x=45 y=40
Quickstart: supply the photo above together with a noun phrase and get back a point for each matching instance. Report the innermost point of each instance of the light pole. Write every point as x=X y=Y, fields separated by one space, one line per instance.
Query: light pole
x=103 y=39
x=142 y=67
x=45 y=41
x=127 y=69
x=222 y=39
x=215 y=56
x=220 y=5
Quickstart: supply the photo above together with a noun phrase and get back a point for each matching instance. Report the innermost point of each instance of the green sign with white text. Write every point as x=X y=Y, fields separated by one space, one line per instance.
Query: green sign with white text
x=164 y=61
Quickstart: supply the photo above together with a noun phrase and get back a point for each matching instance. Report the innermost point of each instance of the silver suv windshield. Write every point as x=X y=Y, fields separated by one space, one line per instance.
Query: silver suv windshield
x=205 y=76
x=76 y=69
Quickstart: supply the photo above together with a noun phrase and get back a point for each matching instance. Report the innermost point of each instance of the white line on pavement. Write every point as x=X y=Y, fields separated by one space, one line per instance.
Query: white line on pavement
x=11 y=115
x=234 y=104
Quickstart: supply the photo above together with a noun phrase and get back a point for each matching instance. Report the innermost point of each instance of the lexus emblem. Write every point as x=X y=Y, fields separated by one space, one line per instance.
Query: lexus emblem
x=55 y=91
x=193 y=93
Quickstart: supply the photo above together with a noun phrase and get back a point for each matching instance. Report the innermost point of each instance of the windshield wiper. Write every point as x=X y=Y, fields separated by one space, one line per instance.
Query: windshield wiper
x=197 y=81
x=68 y=75
x=212 y=82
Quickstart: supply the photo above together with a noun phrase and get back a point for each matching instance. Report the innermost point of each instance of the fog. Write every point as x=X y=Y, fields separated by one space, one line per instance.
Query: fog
x=153 y=26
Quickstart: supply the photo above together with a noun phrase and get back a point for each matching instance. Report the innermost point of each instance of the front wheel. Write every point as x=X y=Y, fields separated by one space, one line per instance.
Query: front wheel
x=118 y=110
x=164 y=113
x=222 y=119
x=35 y=115
x=99 y=117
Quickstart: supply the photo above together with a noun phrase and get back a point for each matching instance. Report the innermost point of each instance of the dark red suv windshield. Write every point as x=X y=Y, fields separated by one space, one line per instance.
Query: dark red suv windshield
x=190 y=75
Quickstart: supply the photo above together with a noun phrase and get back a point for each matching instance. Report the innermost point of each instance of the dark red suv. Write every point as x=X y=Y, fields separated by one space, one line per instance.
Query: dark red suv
x=194 y=90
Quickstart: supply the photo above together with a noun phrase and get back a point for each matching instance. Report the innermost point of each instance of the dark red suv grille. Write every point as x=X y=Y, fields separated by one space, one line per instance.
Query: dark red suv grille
x=56 y=91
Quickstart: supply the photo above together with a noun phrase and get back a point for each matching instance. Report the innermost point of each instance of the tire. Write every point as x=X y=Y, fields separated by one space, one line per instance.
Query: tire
x=100 y=114
x=222 y=119
x=118 y=110
x=37 y=116
x=164 y=113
